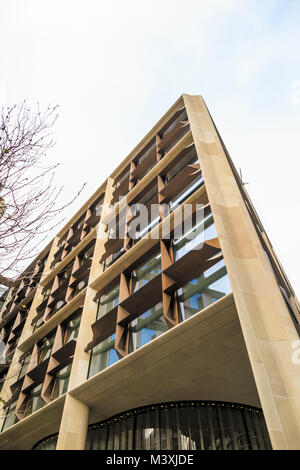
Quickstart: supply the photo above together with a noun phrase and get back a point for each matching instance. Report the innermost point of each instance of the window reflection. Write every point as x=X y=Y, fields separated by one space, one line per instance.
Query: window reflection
x=72 y=328
x=108 y=302
x=61 y=382
x=103 y=355
x=24 y=366
x=187 y=425
x=185 y=193
x=112 y=258
x=146 y=272
x=182 y=426
x=201 y=292
x=204 y=230
x=189 y=158
x=38 y=324
x=10 y=417
x=45 y=348
x=35 y=401
x=154 y=220
x=148 y=326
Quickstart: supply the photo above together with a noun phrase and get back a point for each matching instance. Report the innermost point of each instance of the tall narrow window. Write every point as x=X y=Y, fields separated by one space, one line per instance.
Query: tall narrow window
x=103 y=355
x=61 y=382
x=108 y=302
x=146 y=272
x=148 y=326
x=10 y=417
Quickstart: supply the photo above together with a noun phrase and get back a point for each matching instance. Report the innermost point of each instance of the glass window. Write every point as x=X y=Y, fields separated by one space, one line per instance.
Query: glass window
x=61 y=382
x=38 y=324
x=204 y=230
x=108 y=302
x=154 y=220
x=177 y=426
x=144 y=221
x=185 y=193
x=59 y=304
x=117 y=227
x=72 y=328
x=11 y=346
x=146 y=271
x=190 y=159
x=103 y=355
x=62 y=241
x=35 y=401
x=146 y=152
x=79 y=287
x=47 y=291
x=45 y=348
x=148 y=326
x=121 y=179
x=148 y=196
x=168 y=129
x=88 y=254
x=24 y=366
x=65 y=274
x=212 y=285
x=112 y=258
x=10 y=417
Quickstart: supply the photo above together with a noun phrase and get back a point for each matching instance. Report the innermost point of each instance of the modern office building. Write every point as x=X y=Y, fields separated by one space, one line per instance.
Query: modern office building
x=174 y=338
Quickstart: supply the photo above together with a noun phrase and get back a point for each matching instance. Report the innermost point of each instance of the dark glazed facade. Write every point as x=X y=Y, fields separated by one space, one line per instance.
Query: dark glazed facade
x=194 y=425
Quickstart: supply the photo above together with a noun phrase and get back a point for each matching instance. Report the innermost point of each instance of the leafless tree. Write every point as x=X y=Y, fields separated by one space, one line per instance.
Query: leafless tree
x=28 y=195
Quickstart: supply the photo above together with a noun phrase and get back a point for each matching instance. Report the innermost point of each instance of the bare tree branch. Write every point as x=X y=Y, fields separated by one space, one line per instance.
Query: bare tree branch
x=28 y=197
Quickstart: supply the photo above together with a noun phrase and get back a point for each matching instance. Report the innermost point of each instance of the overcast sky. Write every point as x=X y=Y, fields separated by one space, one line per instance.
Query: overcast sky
x=115 y=67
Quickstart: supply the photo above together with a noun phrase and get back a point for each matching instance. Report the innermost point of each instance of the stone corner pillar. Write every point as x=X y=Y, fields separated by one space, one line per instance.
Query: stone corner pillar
x=74 y=425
